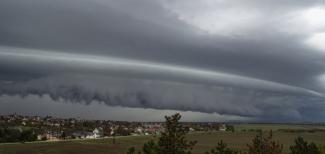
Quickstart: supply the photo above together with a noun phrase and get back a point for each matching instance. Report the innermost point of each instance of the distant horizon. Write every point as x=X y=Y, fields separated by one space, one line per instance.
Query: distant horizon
x=220 y=122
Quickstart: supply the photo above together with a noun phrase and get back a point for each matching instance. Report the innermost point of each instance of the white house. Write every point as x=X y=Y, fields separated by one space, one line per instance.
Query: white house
x=98 y=132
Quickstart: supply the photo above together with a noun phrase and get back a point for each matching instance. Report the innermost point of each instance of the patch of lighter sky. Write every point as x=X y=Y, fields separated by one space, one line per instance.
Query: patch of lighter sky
x=223 y=21
x=317 y=41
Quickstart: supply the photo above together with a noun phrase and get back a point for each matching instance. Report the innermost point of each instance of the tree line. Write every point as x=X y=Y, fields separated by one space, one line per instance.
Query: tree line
x=16 y=135
x=173 y=141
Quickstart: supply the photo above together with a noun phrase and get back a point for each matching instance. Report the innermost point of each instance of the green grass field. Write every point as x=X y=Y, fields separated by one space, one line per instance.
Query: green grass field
x=206 y=141
x=267 y=127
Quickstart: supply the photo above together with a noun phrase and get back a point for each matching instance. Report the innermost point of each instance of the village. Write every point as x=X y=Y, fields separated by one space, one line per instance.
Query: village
x=50 y=128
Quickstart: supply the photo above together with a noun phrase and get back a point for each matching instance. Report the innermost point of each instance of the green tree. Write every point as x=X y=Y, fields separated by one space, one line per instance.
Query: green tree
x=264 y=145
x=230 y=128
x=27 y=136
x=222 y=148
x=150 y=147
x=172 y=140
x=132 y=151
x=16 y=135
x=63 y=135
x=303 y=147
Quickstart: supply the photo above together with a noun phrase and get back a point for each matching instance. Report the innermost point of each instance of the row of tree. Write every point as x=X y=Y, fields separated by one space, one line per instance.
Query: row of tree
x=16 y=135
x=173 y=141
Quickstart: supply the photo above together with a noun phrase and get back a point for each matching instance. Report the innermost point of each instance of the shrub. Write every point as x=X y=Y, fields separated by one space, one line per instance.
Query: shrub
x=303 y=147
x=222 y=148
x=264 y=145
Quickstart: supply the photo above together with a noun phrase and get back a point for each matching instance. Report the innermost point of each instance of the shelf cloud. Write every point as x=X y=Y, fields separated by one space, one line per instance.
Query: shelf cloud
x=243 y=59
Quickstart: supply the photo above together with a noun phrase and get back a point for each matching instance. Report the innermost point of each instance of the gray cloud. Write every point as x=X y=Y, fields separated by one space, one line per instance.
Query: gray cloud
x=165 y=95
x=65 y=63
x=46 y=106
x=249 y=58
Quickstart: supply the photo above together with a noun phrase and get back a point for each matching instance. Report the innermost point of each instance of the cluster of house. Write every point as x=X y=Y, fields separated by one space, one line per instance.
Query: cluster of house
x=52 y=128
x=148 y=129
x=59 y=135
x=35 y=120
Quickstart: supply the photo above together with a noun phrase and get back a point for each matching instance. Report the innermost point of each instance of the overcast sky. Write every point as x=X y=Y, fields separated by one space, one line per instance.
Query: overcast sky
x=212 y=60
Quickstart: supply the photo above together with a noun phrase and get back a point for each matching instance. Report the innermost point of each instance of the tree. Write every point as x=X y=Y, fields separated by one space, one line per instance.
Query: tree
x=27 y=136
x=16 y=135
x=150 y=147
x=121 y=131
x=172 y=140
x=222 y=148
x=264 y=145
x=131 y=151
x=63 y=135
x=302 y=147
x=230 y=128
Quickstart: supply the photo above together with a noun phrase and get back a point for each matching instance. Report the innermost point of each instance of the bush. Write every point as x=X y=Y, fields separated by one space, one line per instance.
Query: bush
x=222 y=148
x=264 y=145
x=303 y=147
x=321 y=149
x=27 y=136
x=131 y=151
x=230 y=128
x=150 y=148
x=16 y=135
x=44 y=138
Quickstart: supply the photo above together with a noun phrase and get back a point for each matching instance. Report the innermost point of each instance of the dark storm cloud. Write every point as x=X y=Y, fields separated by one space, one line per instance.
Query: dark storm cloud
x=62 y=109
x=47 y=44
x=164 y=95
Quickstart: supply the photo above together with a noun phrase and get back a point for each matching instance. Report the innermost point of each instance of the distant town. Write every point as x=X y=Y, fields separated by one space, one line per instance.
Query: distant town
x=20 y=128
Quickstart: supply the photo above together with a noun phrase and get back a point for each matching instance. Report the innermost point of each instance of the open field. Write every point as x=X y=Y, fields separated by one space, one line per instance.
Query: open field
x=206 y=141
x=274 y=127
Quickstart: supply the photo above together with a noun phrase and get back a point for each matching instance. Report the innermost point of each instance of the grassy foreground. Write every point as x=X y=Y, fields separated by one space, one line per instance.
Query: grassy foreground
x=206 y=141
